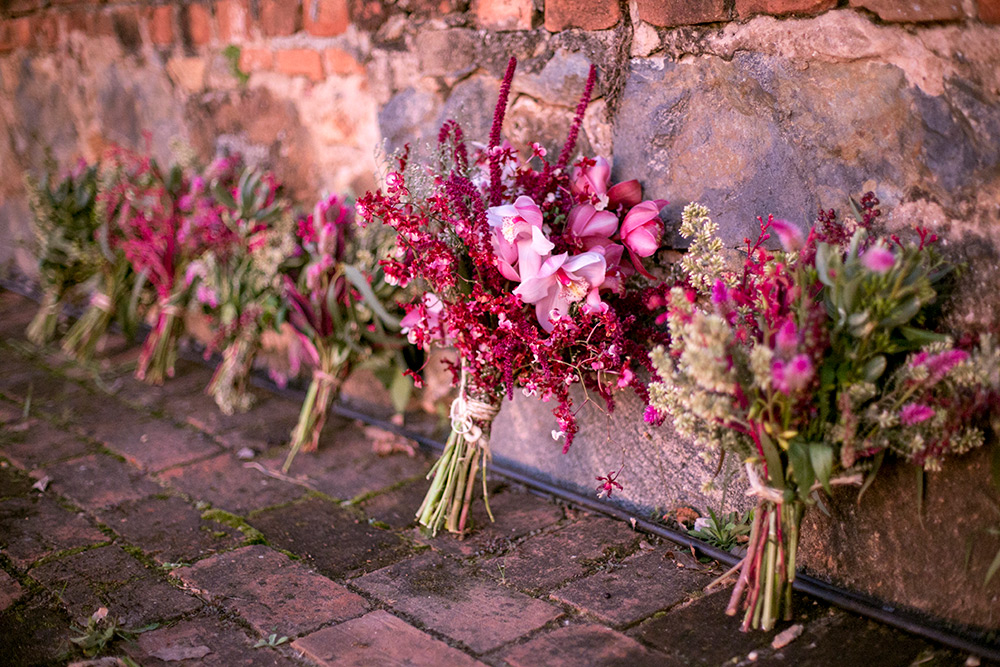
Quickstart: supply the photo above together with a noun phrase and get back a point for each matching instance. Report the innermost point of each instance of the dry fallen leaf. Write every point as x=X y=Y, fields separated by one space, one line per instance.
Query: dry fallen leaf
x=178 y=652
x=787 y=636
x=43 y=480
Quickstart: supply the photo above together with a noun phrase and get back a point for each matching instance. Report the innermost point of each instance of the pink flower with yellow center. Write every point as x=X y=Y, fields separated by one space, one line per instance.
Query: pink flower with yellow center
x=518 y=238
x=562 y=281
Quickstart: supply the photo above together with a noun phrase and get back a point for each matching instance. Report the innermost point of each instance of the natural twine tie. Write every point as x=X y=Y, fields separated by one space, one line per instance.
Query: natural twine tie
x=101 y=301
x=465 y=412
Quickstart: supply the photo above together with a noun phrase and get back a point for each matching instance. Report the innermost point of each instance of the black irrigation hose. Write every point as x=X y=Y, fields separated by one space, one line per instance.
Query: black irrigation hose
x=957 y=638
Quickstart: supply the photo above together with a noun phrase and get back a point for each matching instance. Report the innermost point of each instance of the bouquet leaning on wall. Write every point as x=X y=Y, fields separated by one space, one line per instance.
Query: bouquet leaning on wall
x=809 y=364
x=64 y=221
x=531 y=271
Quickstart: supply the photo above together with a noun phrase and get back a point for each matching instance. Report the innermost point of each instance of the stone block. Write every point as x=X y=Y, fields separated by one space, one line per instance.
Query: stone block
x=504 y=14
x=109 y=577
x=561 y=81
x=36 y=442
x=448 y=599
x=299 y=62
x=637 y=587
x=97 y=481
x=748 y=8
x=334 y=541
x=255 y=60
x=279 y=18
x=154 y=444
x=341 y=63
x=10 y=591
x=446 y=52
x=197 y=26
x=188 y=73
x=325 y=18
x=229 y=485
x=670 y=13
x=582 y=14
x=379 y=638
x=272 y=592
x=36 y=632
x=585 y=644
x=161 y=25
x=35 y=527
x=913 y=12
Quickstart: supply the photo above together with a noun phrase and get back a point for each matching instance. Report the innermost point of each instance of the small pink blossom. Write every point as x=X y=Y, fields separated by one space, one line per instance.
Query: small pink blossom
x=593 y=179
x=878 y=259
x=790 y=236
x=653 y=417
x=206 y=295
x=424 y=317
x=587 y=227
x=914 y=413
x=792 y=376
x=786 y=341
x=517 y=234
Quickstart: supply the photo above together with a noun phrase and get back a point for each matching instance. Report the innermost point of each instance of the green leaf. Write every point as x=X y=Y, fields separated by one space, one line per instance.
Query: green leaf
x=822 y=264
x=921 y=336
x=822 y=462
x=874 y=368
x=876 y=464
x=802 y=469
x=775 y=472
x=921 y=480
x=994 y=566
x=361 y=284
x=903 y=313
x=400 y=390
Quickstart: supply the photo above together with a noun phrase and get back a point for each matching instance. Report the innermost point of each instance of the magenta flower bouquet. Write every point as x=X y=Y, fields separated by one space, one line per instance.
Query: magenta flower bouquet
x=237 y=279
x=532 y=271
x=809 y=364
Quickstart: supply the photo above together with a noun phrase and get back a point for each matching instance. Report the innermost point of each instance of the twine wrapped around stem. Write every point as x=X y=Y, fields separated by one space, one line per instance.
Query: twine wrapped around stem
x=325 y=386
x=102 y=302
x=449 y=498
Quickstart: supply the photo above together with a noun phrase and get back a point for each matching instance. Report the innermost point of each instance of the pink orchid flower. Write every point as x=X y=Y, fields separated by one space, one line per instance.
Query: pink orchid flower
x=518 y=238
x=595 y=182
x=642 y=230
x=562 y=281
x=587 y=227
x=425 y=316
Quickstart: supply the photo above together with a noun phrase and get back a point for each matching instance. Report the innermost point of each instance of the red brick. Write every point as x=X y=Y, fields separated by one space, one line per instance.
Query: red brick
x=504 y=14
x=341 y=63
x=81 y=20
x=642 y=585
x=746 y=8
x=369 y=15
x=153 y=444
x=600 y=645
x=10 y=591
x=198 y=24
x=299 y=62
x=280 y=17
x=99 y=480
x=45 y=31
x=40 y=443
x=36 y=527
x=161 y=25
x=448 y=599
x=22 y=6
x=231 y=19
x=583 y=14
x=229 y=485
x=669 y=13
x=325 y=18
x=225 y=643
x=272 y=592
x=912 y=12
x=989 y=11
x=379 y=638
x=255 y=60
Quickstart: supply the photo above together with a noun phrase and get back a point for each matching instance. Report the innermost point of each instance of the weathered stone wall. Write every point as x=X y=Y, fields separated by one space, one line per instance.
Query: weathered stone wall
x=749 y=106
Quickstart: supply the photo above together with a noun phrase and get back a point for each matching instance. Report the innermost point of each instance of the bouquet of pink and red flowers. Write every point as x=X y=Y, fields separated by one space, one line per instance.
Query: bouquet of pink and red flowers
x=532 y=271
x=809 y=364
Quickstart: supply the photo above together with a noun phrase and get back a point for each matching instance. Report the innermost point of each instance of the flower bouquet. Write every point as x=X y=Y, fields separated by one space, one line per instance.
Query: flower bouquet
x=809 y=364
x=64 y=225
x=336 y=310
x=157 y=244
x=237 y=278
x=523 y=269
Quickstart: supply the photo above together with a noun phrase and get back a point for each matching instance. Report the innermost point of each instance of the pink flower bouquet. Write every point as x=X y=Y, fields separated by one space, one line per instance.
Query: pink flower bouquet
x=532 y=271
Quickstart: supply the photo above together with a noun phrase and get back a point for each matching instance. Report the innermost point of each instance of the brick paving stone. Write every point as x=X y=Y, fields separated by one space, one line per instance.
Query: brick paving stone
x=16 y=312
x=21 y=377
x=379 y=638
x=34 y=631
x=98 y=480
x=633 y=589
x=10 y=590
x=35 y=527
x=333 y=540
x=187 y=386
x=13 y=483
x=447 y=598
x=153 y=444
x=396 y=508
x=272 y=592
x=266 y=426
x=36 y=442
x=587 y=644
x=346 y=467
x=690 y=634
x=170 y=530
x=517 y=513
x=207 y=640
x=10 y=412
x=547 y=560
x=228 y=484
x=109 y=577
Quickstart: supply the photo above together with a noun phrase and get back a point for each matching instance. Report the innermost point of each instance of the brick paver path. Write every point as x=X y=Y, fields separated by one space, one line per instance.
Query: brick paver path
x=120 y=495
